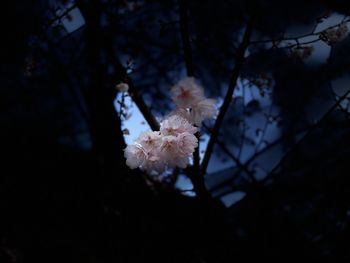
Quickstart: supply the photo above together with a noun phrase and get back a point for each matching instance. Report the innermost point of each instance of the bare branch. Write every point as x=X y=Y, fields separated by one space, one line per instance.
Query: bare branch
x=185 y=37
x=140 y=103
x=235 y=74
x=236 y=160
x=194 y=172
x=310 y=130
x=298 y=38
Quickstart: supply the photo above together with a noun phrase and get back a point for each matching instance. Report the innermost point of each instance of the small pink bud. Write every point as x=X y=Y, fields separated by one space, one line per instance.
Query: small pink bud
x=122 y=87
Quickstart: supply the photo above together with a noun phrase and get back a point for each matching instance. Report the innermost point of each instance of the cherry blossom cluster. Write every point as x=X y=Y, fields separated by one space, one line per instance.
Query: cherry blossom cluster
x=301 y=52
x=336 y=34
x=174 y=144
x=191 y=103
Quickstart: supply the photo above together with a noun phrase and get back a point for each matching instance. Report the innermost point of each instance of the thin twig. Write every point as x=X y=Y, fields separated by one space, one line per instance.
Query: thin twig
x=296 y=38
x=233 y=157
x=185 y=37
x=310 y=130
x=195 y=174
x=58 y=17
x=134 y=94
x=235 y=74
x=244 y=125
x=266 y=124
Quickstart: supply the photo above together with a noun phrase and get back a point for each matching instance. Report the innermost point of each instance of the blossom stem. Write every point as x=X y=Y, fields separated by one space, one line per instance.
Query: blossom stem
x=235 y=74
x=134 y=94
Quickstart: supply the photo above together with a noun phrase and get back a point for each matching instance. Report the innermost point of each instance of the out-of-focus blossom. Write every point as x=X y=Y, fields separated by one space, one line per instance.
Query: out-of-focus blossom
x=204 y=109
x=335 y=34
x=301 y=52
x=122 y=87
x=191 y=102
x=187 y=93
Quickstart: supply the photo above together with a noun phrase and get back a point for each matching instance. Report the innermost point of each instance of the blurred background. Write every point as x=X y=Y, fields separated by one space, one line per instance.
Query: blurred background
x=278 y=177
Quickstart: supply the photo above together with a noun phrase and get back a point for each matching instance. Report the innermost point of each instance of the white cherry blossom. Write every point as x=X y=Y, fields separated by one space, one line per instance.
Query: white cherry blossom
x=175 y=143
x=135 y=155
x=187 y=143
x=175 y=124
x=150 y=140
x=170 y=152
x=153 y=164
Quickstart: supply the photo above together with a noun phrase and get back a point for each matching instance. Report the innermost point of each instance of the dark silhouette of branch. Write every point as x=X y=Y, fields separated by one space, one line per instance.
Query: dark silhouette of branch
x=235 y=74
x=264 y=129
x=66 y=11
x=133 y=91
x=151 y=120
x=307 y=134
x=297 y=38
x=121 y=75
x=242 y=167
x=185 y=37
x=244 y=126
x=104 y=122
x=195 y=174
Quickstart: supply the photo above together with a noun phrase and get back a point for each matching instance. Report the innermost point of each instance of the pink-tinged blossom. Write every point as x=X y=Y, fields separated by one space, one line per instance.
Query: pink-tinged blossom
x=150 y=140
x=175 y=124
x=153 y=164
x=122 y=87
x=180 y=162
x=187 y=143
x=175 y=143
x=168 y=148
x=204 y=109
x=187 y=93
x=135 y=155
x=138 y=157
x=143 y=153
x=191 y=102
x=335 y=34
x=181 y=112
x=170 y=152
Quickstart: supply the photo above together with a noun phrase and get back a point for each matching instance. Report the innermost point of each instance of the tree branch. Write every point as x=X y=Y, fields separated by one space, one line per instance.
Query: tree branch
x=235 y=74
x=138 y=100
x=146 y=112
x=185 y=37
x=310 y=130
x=242 y=167
x=297 y=38
x=194 y=172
